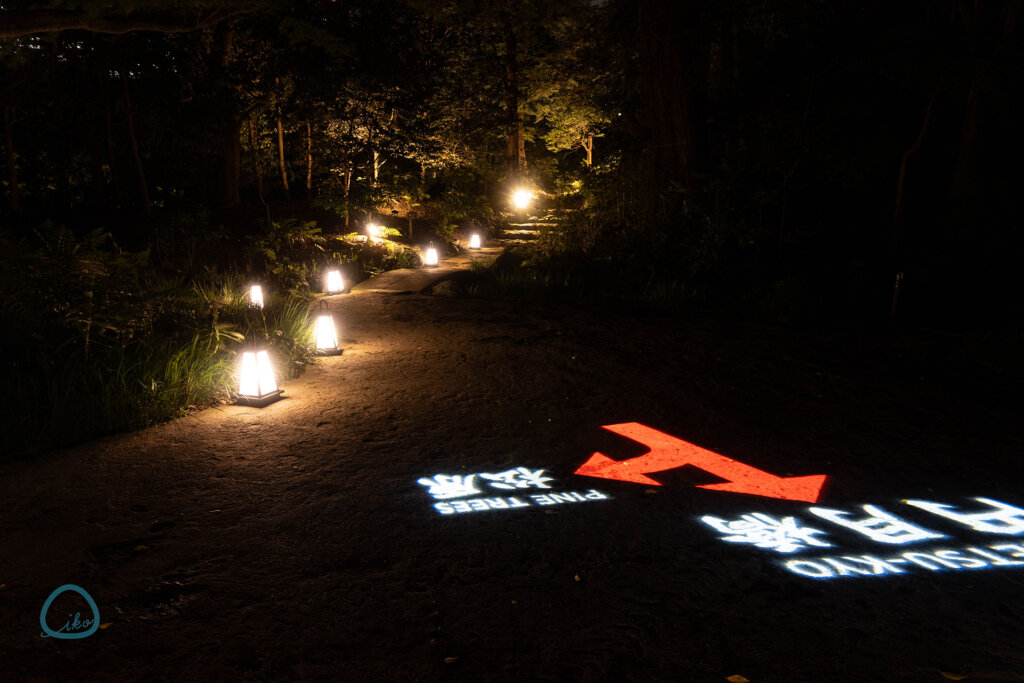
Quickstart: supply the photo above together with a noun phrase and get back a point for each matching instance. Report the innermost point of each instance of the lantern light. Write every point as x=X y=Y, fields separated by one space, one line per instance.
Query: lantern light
x=256 y=386
x=326 y=334
x=521 y=198
x=334 y=282
x=430 y=258
x=256 y=296
x=474 y=241
x=373 y=231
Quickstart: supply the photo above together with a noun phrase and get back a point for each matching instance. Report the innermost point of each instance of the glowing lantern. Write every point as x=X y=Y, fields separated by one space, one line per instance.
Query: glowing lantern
x=256 y=386
x=430 y=258
x=256 y=296
x=474 y=241
x=521 y=198
x=326 y=334
x=334 y=283
x=373 y=231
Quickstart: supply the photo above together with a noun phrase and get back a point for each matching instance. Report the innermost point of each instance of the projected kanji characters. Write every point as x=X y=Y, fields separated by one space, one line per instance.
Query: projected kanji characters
x=518 y=478
x=444 y=486
x=879 y=525
x=764 y=531
x=1003 y=519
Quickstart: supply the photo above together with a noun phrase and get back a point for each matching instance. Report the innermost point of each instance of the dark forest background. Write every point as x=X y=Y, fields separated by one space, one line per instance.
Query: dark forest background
x=791 y=160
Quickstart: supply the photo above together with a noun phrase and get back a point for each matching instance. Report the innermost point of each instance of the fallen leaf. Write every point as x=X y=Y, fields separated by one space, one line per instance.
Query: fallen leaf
x=3 y=586
x=953 y=677
x=105 y=625
x=736 y=678
x=450 y=660
x=139 y=548
x=577 y=577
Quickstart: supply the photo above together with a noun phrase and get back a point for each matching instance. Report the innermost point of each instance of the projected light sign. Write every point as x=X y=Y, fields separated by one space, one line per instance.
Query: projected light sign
x=666 y=452
x=789 y=535
x=461 y=493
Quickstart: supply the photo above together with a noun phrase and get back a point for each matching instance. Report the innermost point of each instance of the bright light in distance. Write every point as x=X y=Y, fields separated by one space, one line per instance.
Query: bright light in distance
x=334 y=283
x=374 y=232
x=521 y=199
x=326 y=335
x=256 y=296
x=430 y=258
x=474 y=241
x=257 y=376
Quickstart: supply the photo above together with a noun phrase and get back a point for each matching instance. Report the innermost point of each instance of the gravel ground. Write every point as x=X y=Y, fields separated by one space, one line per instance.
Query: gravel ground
x=295 y=542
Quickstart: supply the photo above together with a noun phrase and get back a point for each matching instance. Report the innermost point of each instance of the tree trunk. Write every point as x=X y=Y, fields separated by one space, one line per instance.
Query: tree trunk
x=992 y=29
x=280 y=155
x=229 y=166
x=378 y=164
x=588 y=147
x=12 y=166
x=516 y=142
x=143 y=188
x=908 y=155
x=254 y=156
x=736 y=85
x=674 y=149
x=118 y=193
x=99 y=183
x=309 y=162
x=347 y=184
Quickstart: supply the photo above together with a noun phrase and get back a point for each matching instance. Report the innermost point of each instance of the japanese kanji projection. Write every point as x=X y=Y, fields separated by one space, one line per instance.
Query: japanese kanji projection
x=790 y=535
x=482 y=491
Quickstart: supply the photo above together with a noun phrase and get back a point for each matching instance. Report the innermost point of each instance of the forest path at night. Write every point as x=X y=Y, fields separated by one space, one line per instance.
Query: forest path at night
x=299 y=541
x=415 y=280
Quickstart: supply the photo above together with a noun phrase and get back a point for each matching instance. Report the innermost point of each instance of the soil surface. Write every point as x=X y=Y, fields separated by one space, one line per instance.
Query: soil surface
x=295 y=541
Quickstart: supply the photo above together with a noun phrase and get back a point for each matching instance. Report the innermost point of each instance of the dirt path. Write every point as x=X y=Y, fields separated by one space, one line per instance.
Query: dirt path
x=294 y=542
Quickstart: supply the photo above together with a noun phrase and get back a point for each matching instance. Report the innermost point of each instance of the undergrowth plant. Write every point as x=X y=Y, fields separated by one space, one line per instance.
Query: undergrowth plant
x=97 y=342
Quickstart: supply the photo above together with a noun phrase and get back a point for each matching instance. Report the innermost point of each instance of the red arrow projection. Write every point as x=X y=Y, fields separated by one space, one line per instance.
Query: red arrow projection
x=668 y=452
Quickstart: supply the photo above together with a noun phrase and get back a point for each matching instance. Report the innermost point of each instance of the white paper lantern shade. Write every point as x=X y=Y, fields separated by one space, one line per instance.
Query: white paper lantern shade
x=256 y=296
x=326 y=332
x=334 y=282
x=474 y=241
x=256 y=384
x=430 y=257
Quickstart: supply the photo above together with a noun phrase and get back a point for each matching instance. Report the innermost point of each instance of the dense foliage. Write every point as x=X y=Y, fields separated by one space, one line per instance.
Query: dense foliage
x=792 y=156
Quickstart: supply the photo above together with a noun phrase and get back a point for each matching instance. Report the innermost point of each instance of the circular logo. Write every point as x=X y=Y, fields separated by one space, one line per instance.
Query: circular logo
x=47 y=631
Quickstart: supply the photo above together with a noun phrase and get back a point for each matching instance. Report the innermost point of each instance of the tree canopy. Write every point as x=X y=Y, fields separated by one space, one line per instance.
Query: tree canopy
x=792 y=141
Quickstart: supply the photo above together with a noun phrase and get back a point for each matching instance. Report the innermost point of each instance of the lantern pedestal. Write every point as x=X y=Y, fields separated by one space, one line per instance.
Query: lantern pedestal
x=259 y=401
